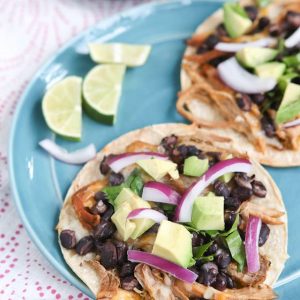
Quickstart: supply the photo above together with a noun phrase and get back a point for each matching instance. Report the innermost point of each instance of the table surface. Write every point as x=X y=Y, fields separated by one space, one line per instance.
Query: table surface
x=30 y=32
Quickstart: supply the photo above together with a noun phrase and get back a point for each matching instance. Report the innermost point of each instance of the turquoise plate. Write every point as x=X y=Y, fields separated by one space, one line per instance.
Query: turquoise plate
x=39 y=183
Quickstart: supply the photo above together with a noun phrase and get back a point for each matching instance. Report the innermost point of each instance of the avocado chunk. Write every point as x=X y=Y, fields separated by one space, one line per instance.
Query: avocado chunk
x=174 y=243
x=271 y=70
x=208 y=213
x=284 y=80
x=251 y=57
x=236 y=20
x=290 y=104
x=124 y=204
x=158 y=168
x=193 y=166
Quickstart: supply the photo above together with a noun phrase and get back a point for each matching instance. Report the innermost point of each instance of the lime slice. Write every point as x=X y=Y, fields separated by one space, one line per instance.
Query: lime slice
x=61 y=107
x=129 y=55
x=101 y=92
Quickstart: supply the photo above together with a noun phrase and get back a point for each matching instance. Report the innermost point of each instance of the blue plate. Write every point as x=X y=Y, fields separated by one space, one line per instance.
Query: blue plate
x=39 y=183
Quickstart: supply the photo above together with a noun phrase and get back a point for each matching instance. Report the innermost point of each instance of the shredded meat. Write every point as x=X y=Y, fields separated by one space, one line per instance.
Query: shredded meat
x=186 y=291
x=138 y=146
x=109 y=282
x=157 y=284
x=249 y=279
x=266 y=214
x=85 y=198
x=201 y=59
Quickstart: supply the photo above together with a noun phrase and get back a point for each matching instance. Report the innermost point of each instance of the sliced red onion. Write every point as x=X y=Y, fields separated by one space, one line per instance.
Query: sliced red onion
x=293 y=40
x=251 y=244
x=160 y=192
x=234 y=47
x=241 y=80
x=183 y=211
x=293 y=123
x=76 y=157
x=162 y=264
x=118 y=162
x=147 y=213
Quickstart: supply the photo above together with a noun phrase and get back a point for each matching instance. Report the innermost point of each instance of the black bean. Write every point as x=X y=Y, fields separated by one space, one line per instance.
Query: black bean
x=99 y=208
x=115 y=178
x=202 y=49
x=257 y=98
x=293 y=19
x=208 y=273
x=100 y=196
x=212 y=249
x=68 y=239
x=169 y=142
x=221 y=31
x=221 y=188
x=222 y=258
x=275 y=30
x=251 y=11
x=211 y=41
x=244 y=102
x=296 y=80
x=229 y=282
x=259 y=189
x=242 y=193
x=153 y=229
x=129 y=283
x=264 y=234
x=85 y=245
x=127 y=269
x=104 y=167
x=121 y=251
x=179 y=153
x=193 y=151
x=263 y=23
x=104 y=230
x=108 y=213
x=220 y=282
x=216 y=156
x=232 y=203
x=243 y=180
x=268 y=126
x=108 y=255
x=229 y=217
x=198 y=239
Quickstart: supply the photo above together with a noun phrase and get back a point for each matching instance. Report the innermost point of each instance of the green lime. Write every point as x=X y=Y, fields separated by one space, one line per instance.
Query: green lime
x=101 y=92
x=127 y=54
x=61 y=108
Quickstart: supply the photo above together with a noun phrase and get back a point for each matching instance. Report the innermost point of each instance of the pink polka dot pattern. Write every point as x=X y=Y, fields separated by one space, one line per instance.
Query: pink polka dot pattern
x=36 y=29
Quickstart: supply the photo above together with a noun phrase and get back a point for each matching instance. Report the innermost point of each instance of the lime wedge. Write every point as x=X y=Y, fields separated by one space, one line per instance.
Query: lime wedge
x=61 y=108
x=129 y=55
x=101 y=92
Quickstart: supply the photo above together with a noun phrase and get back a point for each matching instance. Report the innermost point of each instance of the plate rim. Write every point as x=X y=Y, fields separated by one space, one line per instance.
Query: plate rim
x=67 y=273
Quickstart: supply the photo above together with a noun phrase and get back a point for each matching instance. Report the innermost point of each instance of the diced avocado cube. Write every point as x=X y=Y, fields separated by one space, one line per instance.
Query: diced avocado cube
x=132 y=200
x=236 y=20
x=270 y=70
x=292 y=60
x=124 y=227
x=158 y=168
x=285 y=79
x=227 y=177
x=174 y=243
x=193 y=166
x=253 y=56
x=290 y=104
x=208 y=213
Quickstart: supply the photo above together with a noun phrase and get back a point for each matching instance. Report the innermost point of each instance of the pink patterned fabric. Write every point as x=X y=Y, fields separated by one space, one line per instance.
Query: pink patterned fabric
x=30 y=31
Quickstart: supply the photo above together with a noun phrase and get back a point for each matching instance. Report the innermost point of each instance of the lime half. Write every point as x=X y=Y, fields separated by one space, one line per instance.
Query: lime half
x=101 y=92
x=61 y=108
x=127 y=54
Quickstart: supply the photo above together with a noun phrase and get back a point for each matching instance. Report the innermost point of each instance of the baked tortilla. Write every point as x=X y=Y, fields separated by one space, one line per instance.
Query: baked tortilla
x=204 y=103
x=89 y=270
